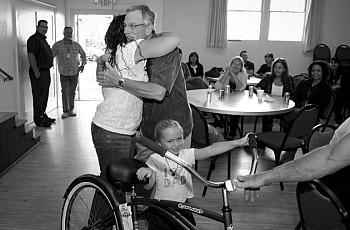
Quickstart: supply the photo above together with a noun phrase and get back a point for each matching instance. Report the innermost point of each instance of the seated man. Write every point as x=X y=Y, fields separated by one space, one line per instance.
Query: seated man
x=264 y=68
x=249 y=66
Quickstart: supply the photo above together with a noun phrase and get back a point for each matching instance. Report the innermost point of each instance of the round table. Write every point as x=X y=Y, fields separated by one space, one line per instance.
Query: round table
x=251 y=80
x=238 y=103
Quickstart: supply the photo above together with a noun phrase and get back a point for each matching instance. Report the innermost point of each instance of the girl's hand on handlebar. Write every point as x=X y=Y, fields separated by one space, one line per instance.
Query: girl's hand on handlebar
x=244 y=141
x=144 y=173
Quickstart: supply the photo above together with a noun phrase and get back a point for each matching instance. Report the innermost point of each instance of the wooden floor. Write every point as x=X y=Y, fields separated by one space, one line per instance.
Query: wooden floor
x=31 y=192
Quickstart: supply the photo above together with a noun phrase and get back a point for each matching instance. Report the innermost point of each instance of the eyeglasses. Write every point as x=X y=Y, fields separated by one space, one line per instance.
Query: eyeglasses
x=133 y=26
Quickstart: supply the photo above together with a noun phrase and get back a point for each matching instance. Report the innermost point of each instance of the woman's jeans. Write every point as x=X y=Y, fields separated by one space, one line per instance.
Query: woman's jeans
x=111 y=146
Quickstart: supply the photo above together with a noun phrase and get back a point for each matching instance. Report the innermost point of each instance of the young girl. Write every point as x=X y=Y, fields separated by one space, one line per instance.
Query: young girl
x=172 y=182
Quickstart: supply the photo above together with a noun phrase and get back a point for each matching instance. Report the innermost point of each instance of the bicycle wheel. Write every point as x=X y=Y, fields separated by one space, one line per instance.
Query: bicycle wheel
x=90 y=204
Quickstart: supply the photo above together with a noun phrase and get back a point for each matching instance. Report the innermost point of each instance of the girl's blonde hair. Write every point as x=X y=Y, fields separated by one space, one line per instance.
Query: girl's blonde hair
x=164 y=124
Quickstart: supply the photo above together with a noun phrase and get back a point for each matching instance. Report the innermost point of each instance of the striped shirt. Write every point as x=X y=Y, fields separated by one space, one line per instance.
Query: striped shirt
x=68 y=59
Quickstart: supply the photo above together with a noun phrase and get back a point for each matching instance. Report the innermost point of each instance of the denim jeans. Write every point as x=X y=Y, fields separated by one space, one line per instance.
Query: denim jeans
x=111 y=146
x=68 y=85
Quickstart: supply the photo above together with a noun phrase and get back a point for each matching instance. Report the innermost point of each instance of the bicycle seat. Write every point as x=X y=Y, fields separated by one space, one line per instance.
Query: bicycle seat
x=124 y=170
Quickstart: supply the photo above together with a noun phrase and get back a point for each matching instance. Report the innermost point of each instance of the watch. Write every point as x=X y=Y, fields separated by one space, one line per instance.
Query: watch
x=121 y=83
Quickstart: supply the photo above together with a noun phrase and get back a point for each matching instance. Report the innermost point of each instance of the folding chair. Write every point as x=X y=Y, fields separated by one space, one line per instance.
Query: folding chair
x=295 y=135
x=343 y=54
x=319 y=207
x=201 y=138
x=322 y=53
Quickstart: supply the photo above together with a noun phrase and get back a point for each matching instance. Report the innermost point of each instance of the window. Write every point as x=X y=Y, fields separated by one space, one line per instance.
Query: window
x=277 y=20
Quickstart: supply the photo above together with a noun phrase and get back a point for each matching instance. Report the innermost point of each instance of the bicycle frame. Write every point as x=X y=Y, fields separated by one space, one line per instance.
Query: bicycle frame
x=125 y=173
x=226 y=186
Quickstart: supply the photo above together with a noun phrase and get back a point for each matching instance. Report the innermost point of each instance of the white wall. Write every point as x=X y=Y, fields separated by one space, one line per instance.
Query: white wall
x=88 y=6
x=8 y=89
x=189 y=20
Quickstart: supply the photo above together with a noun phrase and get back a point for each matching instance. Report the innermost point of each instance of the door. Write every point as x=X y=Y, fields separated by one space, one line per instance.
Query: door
x=27 y=15
x=90 y=32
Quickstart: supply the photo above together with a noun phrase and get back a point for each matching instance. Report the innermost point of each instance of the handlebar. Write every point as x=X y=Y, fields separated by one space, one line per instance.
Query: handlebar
x=164 y=153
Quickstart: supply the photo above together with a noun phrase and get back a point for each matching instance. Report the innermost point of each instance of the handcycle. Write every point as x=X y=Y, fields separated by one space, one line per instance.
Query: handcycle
x=91 y=202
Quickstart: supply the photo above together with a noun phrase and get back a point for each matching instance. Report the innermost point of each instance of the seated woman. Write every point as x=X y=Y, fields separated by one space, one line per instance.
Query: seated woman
x=315 y=90
x=196 y=68
x=236 y=76
x=339 y=88
x=278 y=82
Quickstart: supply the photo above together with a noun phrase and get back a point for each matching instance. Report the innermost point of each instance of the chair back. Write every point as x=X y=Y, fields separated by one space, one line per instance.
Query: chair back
x=200 y=133
x=299 y=78
x=343 y=54
x=322 y=53
x=327 y=113
x=319 y=207
x=305 y=119
x=320 y=135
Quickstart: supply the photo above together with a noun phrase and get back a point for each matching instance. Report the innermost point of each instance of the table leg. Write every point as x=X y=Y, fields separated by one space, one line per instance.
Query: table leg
x=226 y=118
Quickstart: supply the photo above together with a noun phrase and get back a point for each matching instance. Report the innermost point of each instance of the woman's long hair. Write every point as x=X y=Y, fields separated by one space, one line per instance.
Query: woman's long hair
x=115 y=36
x=193 y=54
x=285 y=75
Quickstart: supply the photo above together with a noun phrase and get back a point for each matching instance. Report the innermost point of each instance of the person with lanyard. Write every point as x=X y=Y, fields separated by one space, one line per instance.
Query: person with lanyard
x=71 y=59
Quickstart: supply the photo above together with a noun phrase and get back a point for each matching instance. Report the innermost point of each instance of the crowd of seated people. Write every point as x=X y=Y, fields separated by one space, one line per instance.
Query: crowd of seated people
x=321 y=81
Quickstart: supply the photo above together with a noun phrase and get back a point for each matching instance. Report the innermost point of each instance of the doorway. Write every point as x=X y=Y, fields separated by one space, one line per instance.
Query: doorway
x=90 y=32
x=28 y=14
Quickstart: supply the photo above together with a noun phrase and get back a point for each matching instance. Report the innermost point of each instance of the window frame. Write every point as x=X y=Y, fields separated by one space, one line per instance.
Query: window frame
x=265 y=21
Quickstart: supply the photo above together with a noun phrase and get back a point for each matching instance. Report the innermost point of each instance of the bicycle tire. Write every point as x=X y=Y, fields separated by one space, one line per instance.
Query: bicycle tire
x=90 y=204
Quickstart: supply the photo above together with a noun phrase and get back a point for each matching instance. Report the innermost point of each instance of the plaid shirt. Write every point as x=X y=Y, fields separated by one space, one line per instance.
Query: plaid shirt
x=67 y=53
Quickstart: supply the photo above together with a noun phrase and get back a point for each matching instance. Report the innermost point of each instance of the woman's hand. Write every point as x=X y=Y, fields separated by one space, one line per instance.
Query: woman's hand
x=109 y=78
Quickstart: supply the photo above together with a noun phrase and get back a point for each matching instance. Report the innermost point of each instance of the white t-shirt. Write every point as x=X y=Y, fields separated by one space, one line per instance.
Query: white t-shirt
x=121 y=111
x=176 y=187
x=276 y=90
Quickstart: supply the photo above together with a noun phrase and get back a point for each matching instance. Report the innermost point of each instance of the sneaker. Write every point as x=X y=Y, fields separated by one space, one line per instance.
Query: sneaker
x=72 y=114
x=44 y=124
x=65 y=115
